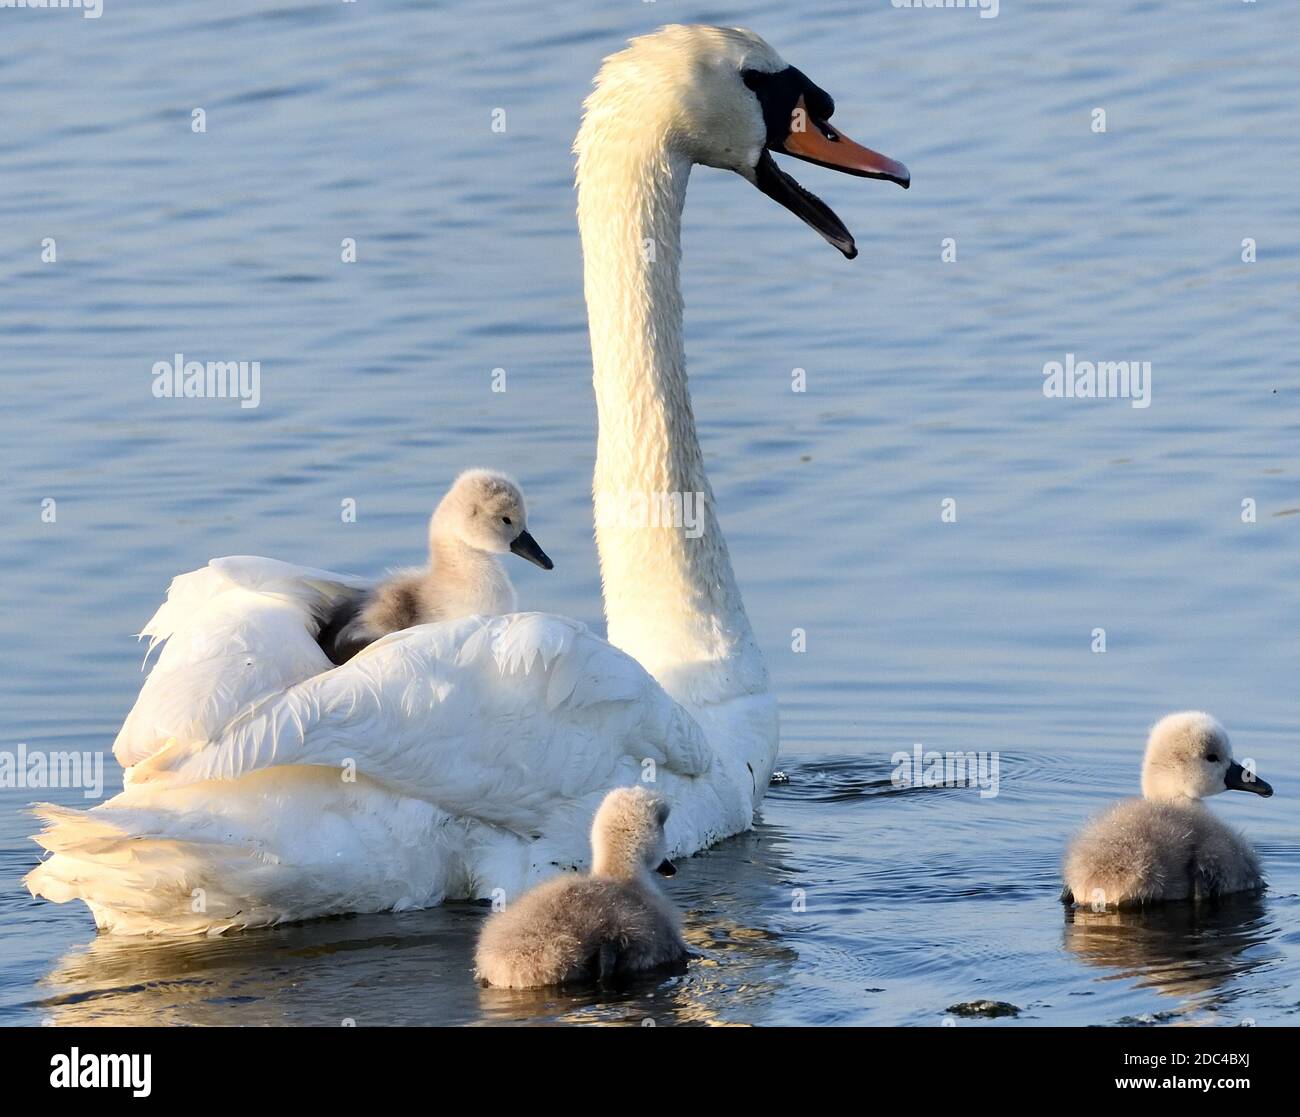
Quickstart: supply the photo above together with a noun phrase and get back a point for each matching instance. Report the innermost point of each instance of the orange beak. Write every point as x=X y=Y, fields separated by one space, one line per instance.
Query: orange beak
x=817 y=142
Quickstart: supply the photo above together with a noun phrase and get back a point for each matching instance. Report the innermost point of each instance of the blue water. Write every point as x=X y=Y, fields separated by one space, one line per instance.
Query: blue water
x=851 y=902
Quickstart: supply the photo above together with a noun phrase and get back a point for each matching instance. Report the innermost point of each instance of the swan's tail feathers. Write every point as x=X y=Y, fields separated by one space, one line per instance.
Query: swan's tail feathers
x=135 y=882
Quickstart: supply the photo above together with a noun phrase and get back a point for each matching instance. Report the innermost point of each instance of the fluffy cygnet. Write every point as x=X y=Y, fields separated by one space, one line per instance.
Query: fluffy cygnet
x=483 y=515
x=609 y=924
x=1168 y=845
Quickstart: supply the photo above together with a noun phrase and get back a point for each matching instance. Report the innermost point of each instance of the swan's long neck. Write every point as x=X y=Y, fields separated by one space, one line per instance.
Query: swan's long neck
x=671 y=599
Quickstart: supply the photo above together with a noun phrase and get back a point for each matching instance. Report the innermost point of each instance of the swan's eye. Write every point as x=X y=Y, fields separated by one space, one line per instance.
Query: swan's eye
x=1213 y=758
x=505 y=519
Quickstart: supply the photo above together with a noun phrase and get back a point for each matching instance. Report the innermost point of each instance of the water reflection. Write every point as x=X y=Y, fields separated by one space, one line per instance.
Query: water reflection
x=417 y=967
x=369 y=969
x=1186 y=950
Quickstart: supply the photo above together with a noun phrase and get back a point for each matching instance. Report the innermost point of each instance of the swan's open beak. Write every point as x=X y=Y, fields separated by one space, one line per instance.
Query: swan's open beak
x=1238 y=779
x=525 y=546
x=815 y=141
x=666 y=868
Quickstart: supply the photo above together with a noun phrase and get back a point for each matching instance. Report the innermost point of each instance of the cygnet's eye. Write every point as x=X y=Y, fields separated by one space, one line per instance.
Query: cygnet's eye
x=505 y=519
x=1213 y=758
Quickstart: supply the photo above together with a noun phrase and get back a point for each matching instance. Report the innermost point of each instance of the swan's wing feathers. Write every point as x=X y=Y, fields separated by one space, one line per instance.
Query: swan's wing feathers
x=237 y=630
x=587 y=675
x=488 y=718
x=190 y=593
x=531 y=640
x=307 y=584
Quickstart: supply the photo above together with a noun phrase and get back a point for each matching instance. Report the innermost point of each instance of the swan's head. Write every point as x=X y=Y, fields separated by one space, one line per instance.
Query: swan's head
x=1189 y=756
x=485 y=510
x=723 y=97
x=627 y=835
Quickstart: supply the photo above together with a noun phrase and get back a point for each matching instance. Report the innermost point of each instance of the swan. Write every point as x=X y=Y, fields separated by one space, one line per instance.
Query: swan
x=1167 y=845
x=450 y=760
x=482 y=515
x=609 y=924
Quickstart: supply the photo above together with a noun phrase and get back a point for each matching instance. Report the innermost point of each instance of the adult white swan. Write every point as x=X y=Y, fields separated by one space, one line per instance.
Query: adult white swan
x=455 y=759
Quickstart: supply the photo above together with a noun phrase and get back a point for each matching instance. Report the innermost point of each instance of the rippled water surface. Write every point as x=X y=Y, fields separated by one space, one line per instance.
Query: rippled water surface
x=852 y=901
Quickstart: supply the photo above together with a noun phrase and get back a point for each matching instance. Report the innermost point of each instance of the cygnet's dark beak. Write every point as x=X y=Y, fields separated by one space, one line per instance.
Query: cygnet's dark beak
x=1238 y=779
x=525 y=546
x=666 y=868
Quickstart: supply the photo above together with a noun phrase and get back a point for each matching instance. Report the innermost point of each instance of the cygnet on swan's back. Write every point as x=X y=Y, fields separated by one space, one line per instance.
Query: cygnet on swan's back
x=483 y=515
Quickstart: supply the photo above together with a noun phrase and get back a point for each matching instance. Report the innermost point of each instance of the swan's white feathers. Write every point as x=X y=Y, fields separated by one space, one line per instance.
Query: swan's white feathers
x=313 y=587
x=313 y=590
x=239 y=629
x=486 y=718
x=481 y=747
